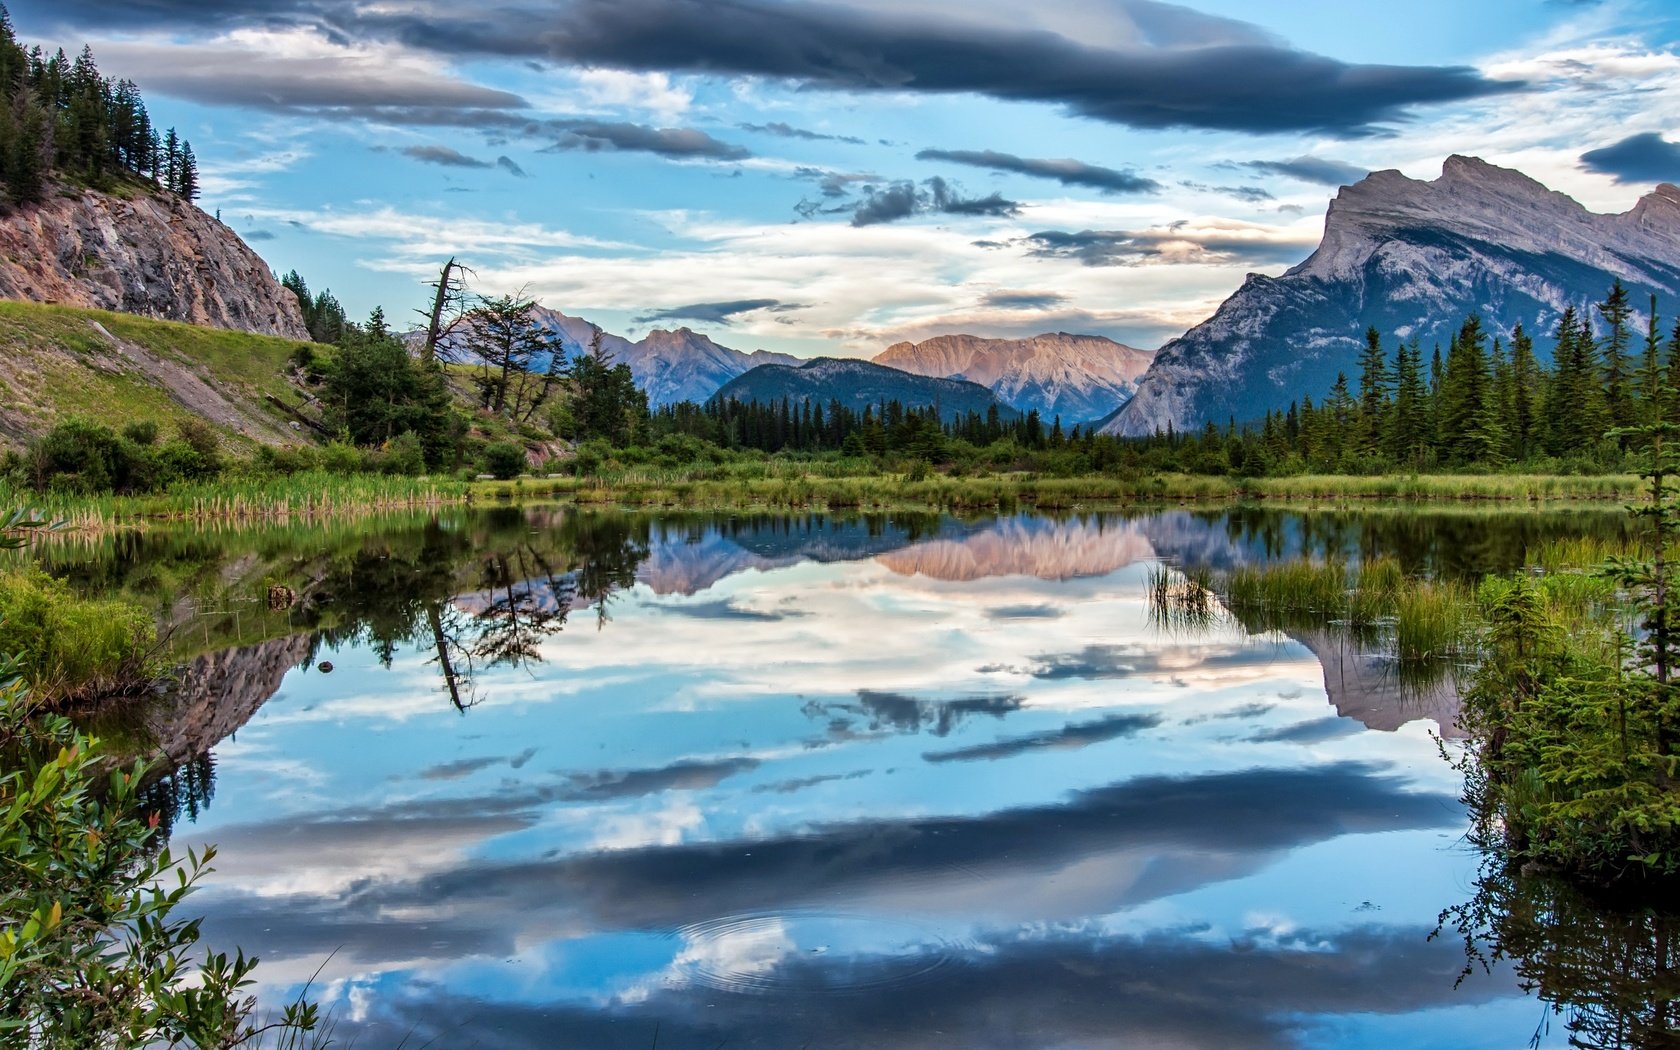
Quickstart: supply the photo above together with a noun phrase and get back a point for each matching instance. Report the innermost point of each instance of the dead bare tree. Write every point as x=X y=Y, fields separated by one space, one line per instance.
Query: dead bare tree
x=448 y=309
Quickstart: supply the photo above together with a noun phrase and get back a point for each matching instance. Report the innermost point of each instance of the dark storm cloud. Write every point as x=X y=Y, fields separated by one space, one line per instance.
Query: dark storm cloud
x=1320 y=170
x=1067 y=738
x=258 y=235
x=442 y=156
x=509 y=165
x=718 y=313
x=1066 y=172
x=903 y=199
x=1177 y=242
x=1646 y=157
x=788 y=131
x=1184 y=69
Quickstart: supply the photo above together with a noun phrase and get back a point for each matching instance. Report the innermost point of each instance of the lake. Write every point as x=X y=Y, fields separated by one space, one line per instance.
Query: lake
x=535 y=778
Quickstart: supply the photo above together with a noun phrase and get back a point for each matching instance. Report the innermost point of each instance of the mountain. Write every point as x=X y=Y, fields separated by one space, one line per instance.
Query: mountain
x=1077 y=377
x=858 y=385
x=1411 y=258
x=151 y=254
x=670 y=366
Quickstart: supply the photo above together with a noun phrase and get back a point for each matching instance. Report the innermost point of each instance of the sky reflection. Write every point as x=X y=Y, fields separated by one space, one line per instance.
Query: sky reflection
x=853 y=786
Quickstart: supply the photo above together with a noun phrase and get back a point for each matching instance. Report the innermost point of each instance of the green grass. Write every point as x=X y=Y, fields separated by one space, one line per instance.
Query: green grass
x=307 y=496
x=55 y=364
x=795 y=484
x=72 y=647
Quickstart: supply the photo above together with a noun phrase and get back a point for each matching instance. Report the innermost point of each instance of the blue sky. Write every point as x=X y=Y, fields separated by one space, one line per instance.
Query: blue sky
x=835 y=175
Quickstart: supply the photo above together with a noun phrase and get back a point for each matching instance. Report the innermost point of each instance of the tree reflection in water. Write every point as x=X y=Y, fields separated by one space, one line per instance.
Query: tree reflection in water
x=480 y=598
x=1608 y=971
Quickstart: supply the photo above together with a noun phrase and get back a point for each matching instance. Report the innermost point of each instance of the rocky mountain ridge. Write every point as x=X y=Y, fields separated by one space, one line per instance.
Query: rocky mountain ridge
x=148 y=253
x=1077 y=377
x=1411 y=258
x=859 y=385
x=671 y=366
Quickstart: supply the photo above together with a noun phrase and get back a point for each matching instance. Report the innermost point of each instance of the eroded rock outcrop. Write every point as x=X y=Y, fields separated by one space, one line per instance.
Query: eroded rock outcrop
x=151 y=254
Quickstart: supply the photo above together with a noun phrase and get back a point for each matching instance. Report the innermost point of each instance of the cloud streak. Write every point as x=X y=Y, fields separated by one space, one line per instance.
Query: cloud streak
x=1068 y=172
x=1160 y=66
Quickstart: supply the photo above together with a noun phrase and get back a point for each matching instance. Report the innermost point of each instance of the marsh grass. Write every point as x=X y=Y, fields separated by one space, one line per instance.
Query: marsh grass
x=313 y=496
x=1182 y=600
x=70 y=647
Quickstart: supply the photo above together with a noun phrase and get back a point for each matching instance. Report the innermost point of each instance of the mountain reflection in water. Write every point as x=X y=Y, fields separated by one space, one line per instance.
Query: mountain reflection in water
x=828 y=781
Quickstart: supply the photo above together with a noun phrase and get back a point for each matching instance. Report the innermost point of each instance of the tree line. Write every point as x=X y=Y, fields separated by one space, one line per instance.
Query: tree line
x=60 y=116
x=1484 y=403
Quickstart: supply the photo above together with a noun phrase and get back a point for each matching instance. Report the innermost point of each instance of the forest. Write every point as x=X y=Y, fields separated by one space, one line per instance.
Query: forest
x=61 y=118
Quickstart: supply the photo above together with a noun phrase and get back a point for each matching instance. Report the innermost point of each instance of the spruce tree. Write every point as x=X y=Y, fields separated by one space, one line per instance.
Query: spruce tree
x=1618 y=393
x=1373 y=393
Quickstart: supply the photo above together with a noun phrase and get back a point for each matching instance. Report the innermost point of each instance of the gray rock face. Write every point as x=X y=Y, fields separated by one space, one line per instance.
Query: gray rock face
x=1413 y=259
x=1077 y=377
x=153 y=254
x=671 y=366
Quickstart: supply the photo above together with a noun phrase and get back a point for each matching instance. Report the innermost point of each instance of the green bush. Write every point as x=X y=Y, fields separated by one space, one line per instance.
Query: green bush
x=142 y=432
x=91 y=952
x=504 y=460
x=591 y=457
x=70 y=646
x=341 y=458
x=403 y=454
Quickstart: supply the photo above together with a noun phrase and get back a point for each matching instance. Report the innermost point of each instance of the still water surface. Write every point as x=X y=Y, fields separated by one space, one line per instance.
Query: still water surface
x=575 y=780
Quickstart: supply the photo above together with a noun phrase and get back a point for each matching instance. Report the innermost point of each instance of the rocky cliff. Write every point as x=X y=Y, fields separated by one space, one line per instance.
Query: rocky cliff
x=1077 y=377
x=152 y=254
x=1411 y=258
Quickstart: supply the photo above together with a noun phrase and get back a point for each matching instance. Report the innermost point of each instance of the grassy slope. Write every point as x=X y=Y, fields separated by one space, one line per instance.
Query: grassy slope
x=55 y=363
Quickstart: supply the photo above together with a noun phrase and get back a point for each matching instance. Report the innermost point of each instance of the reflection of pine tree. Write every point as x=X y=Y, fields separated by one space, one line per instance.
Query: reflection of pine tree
x=1613 y=974
x=184 y=791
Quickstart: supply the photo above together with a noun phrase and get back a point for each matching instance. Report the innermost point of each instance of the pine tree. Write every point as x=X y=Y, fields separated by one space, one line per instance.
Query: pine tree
x=1469 y=421
x=1373 y=393
x=1408 y=422
x=1618 y=395
x=1528 y=396
x=188 y=188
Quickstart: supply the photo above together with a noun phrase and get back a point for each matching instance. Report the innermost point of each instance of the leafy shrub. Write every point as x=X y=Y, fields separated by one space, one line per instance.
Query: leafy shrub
x=591 y=457
x=142 y=432
x=504 y=460
x=403 y=454
x=67 y=645
x=341 y=458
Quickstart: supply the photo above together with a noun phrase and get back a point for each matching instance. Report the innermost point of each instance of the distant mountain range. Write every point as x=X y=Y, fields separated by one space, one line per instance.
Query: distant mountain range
x=859 y=385
x=1412 y=259
x=1080 y=378
x=1077 y=377
x=670 y=366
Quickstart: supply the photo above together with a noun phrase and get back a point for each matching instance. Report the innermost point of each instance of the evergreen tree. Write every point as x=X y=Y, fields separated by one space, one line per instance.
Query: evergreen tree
x=1618 y=393
x=1469 y=420
x=1408 y=428
x=1527 y=397
x=1373 y=393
